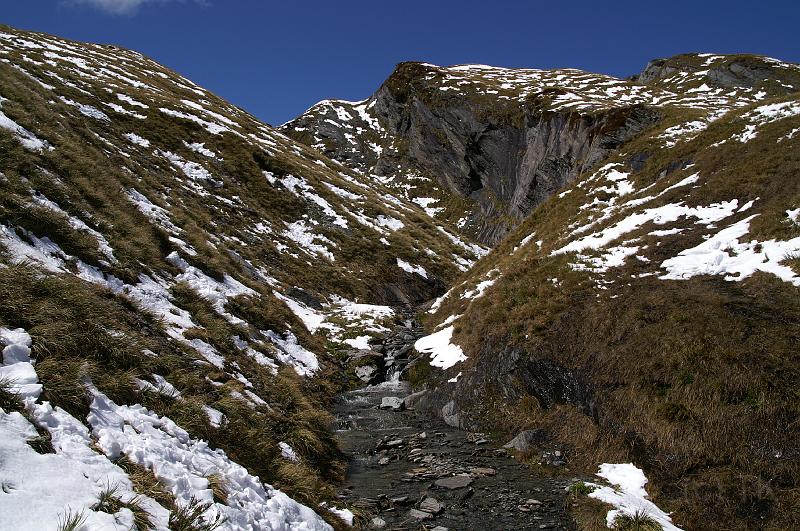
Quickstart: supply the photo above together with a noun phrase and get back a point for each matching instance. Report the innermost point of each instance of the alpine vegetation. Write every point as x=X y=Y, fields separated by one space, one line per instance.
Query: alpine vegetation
x=564 y=298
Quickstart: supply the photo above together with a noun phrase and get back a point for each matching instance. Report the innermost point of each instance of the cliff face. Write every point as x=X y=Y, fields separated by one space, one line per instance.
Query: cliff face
x=505 y=159
x=482 y=146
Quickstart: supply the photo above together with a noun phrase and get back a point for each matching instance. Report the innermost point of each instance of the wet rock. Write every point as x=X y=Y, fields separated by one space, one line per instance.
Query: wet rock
x=400 y=500
x=454 y=482
x=393 y=403
x=431 y=505
x=439 y=528
x=383 y=461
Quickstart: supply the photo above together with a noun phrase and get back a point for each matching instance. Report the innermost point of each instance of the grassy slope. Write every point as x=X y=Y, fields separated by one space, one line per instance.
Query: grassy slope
x=695 y=380
x=81 y=329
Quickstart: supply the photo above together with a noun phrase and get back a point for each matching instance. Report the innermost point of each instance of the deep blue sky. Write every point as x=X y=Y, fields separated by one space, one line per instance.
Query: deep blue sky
x=277 y=58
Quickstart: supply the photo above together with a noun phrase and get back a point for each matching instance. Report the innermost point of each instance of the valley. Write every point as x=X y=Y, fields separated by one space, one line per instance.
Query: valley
x=482 y=297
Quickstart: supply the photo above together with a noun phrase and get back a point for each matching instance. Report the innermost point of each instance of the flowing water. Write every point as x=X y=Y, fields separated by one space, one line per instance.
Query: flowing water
x=407 y=471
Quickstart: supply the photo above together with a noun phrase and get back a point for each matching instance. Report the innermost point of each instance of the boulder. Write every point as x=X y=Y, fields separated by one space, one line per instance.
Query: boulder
x=413 y=399
x=366 y=373
x=393 y=403
x=524 y=441
x=450 y=414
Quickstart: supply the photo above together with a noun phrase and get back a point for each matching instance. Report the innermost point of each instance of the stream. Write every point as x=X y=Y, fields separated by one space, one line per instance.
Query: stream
x=407 y=471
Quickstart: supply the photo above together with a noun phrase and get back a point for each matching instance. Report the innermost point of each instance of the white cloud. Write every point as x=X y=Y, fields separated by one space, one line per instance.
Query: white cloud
x=121 y=7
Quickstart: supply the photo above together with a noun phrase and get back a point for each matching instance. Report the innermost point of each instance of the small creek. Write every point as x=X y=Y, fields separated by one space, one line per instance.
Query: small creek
x=413 y=472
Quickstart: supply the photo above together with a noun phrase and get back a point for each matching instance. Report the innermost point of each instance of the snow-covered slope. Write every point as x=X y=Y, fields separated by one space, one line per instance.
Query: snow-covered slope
x=184 y=279
x=482 y=146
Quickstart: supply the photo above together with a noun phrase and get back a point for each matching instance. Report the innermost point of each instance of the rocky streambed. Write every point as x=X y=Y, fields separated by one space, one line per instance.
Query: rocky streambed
x=409 y=471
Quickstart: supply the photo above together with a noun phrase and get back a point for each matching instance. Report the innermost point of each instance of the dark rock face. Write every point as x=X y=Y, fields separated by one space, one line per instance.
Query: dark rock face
x=506 y=157
x=508 y=168
x=507 y=375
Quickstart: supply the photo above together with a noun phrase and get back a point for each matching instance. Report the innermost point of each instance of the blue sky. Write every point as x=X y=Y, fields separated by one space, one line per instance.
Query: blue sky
x=276 y=59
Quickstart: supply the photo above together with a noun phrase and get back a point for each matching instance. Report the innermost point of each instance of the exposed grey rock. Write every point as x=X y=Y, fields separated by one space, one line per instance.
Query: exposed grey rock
x=305 y=297
x=383 y=461
x=524 y=441
x=412 y=399
x=506 y=159
x=366 y=373
x=392 y=402
x=431 y=505
x=378 y=523
x=454 y=482
x=450 y=415
x=419 y=515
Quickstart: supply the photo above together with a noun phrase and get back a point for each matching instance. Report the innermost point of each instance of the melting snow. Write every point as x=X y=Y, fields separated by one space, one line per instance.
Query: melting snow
x=443 y=353
x=628 y=494
x=724 y=254
x=183 y=464
x=405 y=266
x=28 y=140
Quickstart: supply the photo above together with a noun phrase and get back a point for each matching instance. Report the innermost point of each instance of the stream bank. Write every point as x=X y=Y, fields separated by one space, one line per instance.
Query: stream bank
x=408 y=471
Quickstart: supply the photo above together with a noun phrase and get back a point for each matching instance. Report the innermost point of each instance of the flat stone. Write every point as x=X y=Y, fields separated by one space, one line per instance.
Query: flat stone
x=440 y=528
x=383 y=461
x=393 y=403
x=419 y=515
x=524 y=508
x=482 y=441
x=454 y=482
x=378 y=523
x=431 y=505
x=400 y=500
x=394 y=443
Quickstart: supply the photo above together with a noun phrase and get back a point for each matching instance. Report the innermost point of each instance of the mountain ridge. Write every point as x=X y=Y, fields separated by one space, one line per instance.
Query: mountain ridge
x=460 y=165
